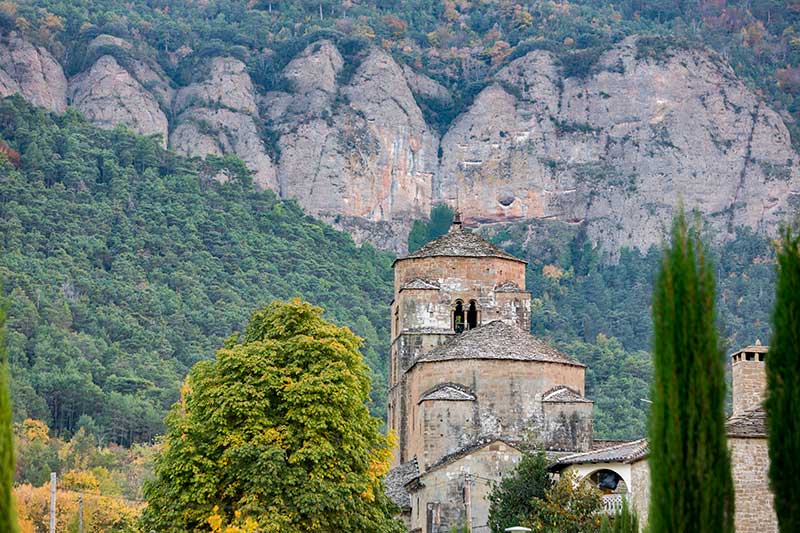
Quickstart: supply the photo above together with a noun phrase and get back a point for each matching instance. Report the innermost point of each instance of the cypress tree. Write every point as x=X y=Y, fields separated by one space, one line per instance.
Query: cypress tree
x=783 y=386
x=690 y=472
x=8 y=515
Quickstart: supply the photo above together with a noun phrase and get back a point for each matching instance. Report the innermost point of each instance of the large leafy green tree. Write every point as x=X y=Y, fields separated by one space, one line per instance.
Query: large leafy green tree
x=276 y=431
x=511 y=500
x=8 y=515
x=783 y=386
x=690 y=473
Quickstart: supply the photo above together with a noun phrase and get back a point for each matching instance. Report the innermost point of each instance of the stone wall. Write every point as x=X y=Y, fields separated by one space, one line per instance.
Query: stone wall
x=508 y=405
x=439 y=501
x=640 y=490
x=446 y=427
x=754 y=502
x=567 y=426
x=749 y=382
x=460 y=274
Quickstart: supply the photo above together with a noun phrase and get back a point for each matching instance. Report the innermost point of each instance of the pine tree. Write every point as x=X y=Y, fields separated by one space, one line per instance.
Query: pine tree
x=783 y=386
x=690 y=472
x=8 y=515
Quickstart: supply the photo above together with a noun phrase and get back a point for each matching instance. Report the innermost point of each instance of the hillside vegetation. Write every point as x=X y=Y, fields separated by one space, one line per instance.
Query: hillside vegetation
x=126 y=264
x=457 y=42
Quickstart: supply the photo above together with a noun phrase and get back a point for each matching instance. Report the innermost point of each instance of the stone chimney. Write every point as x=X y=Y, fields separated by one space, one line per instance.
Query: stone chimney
x=749 y=377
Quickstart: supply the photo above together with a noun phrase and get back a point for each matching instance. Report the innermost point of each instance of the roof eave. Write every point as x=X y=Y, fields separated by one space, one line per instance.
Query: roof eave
x=497 y=256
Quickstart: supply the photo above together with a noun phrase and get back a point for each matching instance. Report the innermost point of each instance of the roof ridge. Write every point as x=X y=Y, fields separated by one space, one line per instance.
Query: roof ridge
x=606 y=449
x=460 y=243
x=497 y=340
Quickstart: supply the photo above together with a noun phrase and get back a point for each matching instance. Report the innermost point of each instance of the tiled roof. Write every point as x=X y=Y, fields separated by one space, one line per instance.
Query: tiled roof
x=755 y=348
x=563 y=394
x=419 y=283
x=395 y=482
x=626 y=452
x=497 y=340
x=748 y=424
x=450 y=392
x=464 y=451
x=460 y=243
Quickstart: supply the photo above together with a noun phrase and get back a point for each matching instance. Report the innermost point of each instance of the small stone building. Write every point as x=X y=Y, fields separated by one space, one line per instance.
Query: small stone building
x=624 y=468
x=469 y=384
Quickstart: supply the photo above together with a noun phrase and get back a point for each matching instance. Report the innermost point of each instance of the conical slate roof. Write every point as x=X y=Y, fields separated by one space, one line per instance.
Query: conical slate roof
x=497 y=340
x=460 y=243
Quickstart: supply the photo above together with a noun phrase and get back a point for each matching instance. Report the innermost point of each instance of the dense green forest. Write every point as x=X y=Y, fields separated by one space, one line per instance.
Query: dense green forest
x=126 y=264
x=458 y=42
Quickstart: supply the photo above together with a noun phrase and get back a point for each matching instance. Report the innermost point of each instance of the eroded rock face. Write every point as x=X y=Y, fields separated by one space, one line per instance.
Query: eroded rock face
x=109 y=95
x=357 y=151
x=426 y=87
x=218 y=116
x=33 y=72
x=621 y=149
x=228 y=85
x=618 y=150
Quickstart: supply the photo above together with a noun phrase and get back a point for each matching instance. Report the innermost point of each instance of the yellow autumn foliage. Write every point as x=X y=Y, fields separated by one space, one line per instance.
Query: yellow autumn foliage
x=100 y=513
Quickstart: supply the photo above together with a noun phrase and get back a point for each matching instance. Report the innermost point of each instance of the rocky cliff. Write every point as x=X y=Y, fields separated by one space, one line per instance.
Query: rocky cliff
x=617 y=146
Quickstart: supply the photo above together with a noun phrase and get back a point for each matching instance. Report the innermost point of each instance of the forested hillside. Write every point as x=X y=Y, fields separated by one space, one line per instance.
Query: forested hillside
x=126 y=264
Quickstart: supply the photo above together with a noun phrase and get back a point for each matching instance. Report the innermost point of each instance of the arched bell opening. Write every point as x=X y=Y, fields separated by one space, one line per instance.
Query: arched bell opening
x=459 y=317
x=472 y=315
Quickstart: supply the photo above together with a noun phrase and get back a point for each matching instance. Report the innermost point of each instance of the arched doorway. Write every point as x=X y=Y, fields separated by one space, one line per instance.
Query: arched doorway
x=613 y=487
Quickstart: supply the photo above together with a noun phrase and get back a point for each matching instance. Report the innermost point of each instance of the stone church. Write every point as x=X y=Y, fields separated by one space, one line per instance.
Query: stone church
x=470 y=386
x=468 y=382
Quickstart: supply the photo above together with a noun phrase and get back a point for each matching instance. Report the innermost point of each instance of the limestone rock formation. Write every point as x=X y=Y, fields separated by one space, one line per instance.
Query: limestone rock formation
x=109 y=95
x=426 y=87
x=621 y=148
x=227 y=85
x=361 y=150
x=218 y=116
x=616 y=149
x=33 y=72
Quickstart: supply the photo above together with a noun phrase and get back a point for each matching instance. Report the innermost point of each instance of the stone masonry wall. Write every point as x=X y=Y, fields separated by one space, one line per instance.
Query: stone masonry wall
x=749 y=384
x=460 y=273
x=446 y=427
x=754 y=503
x=438 y=506
x=567 y=425
x=508 y=404
x=640 y=490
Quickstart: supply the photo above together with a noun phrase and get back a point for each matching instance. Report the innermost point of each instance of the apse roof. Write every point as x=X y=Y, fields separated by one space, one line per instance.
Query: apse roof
x=497 y=340
x=748 y=424
x=460 y=243
x=450 y=392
